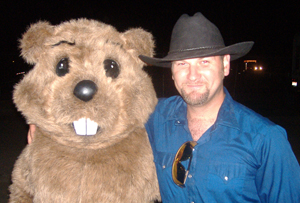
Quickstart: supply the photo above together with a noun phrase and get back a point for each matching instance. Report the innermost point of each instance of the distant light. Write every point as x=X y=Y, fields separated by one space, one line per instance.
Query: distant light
x=294 y=83
x=13 y=61
x=249 y=61
x=20 y=73
x=256 y=68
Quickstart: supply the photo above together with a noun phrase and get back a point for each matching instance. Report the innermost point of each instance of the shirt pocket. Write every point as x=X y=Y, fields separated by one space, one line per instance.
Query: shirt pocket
x=163 y=162
x=226 y=178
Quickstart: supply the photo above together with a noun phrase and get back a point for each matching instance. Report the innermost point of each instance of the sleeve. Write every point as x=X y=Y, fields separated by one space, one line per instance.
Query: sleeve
x=153 y=121
x=150 y=128
x=278 y=176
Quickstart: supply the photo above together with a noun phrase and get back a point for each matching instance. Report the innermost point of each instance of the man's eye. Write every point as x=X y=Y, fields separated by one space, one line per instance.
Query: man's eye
x=180 y=64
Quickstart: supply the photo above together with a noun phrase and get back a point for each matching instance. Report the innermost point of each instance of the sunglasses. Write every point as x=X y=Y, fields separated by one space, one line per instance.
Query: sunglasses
x=185 y=152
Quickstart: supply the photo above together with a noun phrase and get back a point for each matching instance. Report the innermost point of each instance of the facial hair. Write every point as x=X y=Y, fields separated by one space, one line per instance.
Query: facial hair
x=195 y=98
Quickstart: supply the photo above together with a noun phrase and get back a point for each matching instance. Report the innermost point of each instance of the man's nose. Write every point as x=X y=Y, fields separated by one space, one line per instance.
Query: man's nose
x=194 y=72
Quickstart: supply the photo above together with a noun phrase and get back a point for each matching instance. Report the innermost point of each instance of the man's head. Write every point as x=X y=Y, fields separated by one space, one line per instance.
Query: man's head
x=194 y=37
x=200 y=80
x=199 y=59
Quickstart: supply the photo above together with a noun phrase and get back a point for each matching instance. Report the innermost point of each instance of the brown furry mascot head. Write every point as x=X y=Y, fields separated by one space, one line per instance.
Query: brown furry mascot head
x=89 y=98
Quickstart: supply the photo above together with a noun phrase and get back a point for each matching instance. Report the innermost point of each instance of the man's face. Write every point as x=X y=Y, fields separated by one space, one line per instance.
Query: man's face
x=200 y=80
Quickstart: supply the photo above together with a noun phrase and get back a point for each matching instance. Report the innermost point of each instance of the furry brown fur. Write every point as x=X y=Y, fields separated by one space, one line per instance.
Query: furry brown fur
x=115 y=164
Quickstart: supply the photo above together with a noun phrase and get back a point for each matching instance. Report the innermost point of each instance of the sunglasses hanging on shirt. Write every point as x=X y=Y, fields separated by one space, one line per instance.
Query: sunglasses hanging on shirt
x=185 y=152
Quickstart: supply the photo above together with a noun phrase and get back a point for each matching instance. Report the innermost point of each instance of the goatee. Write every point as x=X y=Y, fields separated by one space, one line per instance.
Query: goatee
x=195 y=98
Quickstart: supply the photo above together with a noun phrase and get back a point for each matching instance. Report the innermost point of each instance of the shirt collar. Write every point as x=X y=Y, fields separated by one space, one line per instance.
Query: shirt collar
x=180 y=110
x=226 y=115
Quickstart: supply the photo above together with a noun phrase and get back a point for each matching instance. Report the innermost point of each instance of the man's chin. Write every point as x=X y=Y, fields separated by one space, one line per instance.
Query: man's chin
x=195 y=98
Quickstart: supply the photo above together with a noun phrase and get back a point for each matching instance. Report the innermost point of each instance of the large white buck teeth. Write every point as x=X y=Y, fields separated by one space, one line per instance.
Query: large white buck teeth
x=85 y=126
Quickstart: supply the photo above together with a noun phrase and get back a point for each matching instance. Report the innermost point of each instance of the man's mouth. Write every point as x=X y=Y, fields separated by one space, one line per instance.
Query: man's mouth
x=85 y=126
x=200 y=84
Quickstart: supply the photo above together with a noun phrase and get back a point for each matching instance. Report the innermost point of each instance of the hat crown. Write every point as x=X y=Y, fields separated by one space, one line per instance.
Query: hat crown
x=194 y=33
x=196 y=37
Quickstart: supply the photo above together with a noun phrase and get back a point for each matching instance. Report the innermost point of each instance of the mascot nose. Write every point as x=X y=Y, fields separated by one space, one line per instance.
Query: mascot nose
x=85 y=90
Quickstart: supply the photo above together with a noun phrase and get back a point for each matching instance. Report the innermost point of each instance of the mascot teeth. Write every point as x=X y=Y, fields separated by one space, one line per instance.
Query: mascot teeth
x=85 y=126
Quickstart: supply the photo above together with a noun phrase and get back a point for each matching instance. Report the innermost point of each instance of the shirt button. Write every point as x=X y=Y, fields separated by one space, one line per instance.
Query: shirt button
x=164 y=166
x=178 y=122
x=190 y=176
x=226 y=178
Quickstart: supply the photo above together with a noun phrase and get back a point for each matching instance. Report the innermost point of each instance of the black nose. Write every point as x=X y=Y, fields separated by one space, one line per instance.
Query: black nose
x=85 y=90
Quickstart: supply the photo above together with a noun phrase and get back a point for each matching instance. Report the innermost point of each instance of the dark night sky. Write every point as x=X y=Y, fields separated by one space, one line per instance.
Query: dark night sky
x=271 y=25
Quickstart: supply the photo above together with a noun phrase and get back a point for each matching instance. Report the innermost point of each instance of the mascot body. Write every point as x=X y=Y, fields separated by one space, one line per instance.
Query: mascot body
x=89 y=99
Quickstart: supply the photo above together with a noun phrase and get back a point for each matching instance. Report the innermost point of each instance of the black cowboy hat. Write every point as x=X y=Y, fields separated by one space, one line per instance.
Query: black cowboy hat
x=194 y=37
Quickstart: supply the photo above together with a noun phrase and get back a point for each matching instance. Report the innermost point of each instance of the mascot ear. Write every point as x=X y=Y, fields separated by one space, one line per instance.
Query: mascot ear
x=33 y=40
x=139 y=40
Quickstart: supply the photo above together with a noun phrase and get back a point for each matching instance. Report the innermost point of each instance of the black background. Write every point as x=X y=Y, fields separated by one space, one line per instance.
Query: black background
x=272 y=25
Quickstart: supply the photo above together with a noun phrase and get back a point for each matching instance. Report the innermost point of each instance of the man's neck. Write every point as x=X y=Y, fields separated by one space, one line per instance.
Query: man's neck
x=201 y=118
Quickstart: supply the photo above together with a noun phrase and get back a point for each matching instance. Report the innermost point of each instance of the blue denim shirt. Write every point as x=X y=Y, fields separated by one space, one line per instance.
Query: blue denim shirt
x=242 y=157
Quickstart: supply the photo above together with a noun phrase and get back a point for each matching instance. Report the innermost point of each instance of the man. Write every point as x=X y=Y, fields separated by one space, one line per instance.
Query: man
x=207 y=147
x=225 y=151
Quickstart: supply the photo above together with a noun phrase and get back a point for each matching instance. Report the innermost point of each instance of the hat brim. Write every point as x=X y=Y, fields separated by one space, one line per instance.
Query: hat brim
x=236 y=51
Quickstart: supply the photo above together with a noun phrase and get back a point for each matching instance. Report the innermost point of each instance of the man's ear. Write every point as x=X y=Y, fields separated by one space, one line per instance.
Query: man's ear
x=226 y=64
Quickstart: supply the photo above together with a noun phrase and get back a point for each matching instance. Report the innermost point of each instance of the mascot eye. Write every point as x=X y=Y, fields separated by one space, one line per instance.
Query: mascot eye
x=62 y=67
x=112 y=68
